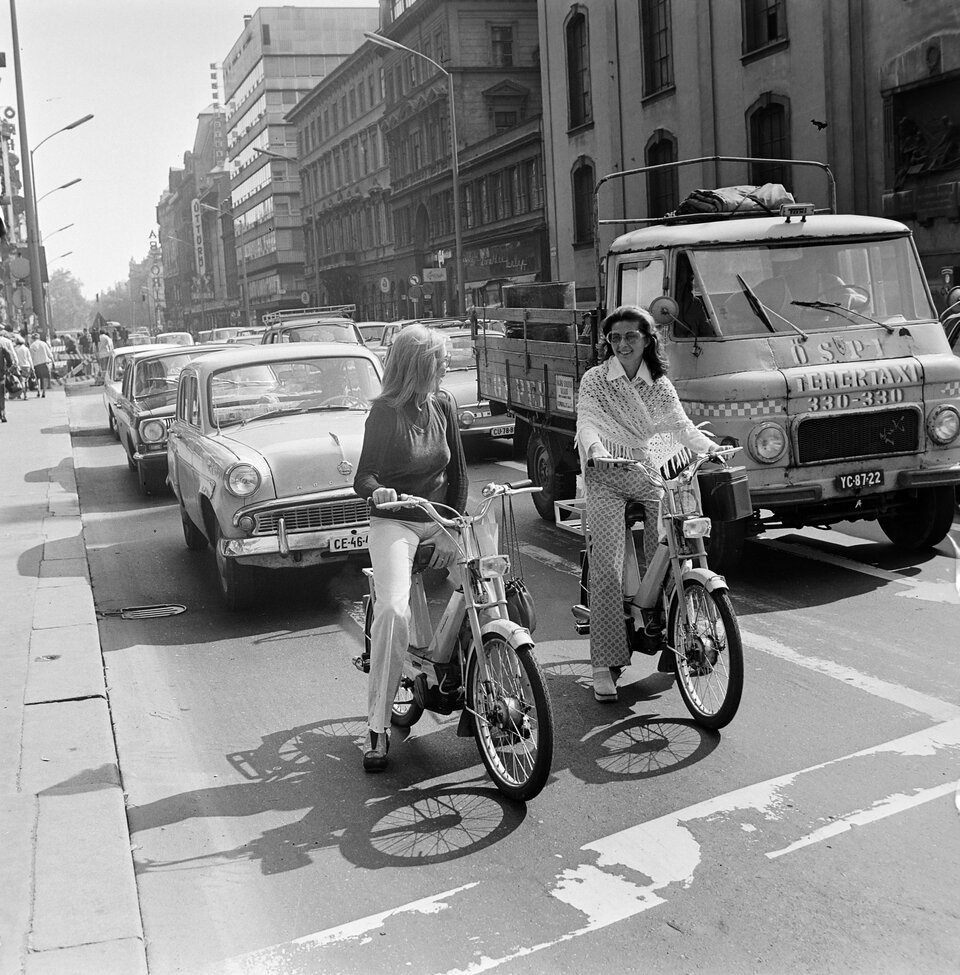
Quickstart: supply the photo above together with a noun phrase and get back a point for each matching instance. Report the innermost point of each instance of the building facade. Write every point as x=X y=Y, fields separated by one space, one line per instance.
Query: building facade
x=278 y=59
x=489 y=50
x=345 y=188
x=843 y=83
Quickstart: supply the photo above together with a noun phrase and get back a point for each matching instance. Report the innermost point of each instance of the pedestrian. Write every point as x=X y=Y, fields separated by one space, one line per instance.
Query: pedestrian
x=86 y=350
x=8 y=361
x=104 y=348
x=622 y=405
x=73 y=356
x=411 y=445
x=42 y=356
x=25 y=364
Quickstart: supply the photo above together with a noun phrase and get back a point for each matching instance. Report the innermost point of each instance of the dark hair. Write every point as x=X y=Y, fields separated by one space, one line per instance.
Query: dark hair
x=653 y=353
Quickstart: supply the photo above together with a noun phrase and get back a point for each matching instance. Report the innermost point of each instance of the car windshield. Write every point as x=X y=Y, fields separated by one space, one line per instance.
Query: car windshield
x=155 y=380
x=253 y=391
x=460 y=348
x=817 y=286
x=321 y=332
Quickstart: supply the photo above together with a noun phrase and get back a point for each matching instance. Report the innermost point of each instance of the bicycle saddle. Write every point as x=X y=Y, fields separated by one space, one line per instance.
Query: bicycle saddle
x=634 y=512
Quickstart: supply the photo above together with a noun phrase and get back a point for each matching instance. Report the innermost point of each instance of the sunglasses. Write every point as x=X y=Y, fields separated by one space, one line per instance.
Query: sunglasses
x=631 y=337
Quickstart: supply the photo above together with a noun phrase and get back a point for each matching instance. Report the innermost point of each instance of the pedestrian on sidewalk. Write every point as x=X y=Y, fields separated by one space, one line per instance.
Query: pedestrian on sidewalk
x=104 y=348
x=86 y=353
x=42 y=356
x=7 y=363
x=25 y=364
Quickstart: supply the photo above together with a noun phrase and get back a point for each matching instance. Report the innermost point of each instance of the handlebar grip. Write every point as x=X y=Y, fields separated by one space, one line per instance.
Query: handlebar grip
x=516 y=485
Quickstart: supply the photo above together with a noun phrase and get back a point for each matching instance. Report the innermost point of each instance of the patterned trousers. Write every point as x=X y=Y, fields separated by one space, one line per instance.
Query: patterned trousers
x=607 y=494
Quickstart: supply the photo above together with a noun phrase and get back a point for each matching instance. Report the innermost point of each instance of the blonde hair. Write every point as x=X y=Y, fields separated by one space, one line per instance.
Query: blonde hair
x=413 y=365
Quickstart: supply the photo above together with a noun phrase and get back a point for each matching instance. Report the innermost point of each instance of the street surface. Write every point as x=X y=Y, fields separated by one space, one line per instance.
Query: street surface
x=818 y=833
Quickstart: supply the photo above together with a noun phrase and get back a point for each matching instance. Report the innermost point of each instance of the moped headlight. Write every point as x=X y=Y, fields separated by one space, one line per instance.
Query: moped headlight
x=241 y=480
x=153 y=431
x=767 y=443
x=493 y=566
x=943 y=424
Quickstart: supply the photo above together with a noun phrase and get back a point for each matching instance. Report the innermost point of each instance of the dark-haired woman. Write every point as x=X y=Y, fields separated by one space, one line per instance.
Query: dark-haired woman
x=623 y=403
x=411 y=445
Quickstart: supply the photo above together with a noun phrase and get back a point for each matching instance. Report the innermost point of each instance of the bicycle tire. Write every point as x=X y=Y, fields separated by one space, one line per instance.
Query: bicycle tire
x=405 y=712
x=512 y=718
x=709 y=656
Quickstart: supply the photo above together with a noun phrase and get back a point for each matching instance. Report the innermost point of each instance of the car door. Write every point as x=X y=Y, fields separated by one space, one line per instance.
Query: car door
x=125 y=410
x=187 y=447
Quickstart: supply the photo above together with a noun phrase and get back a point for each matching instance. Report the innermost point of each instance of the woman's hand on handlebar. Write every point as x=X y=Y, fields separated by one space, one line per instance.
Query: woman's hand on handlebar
x=383 y=495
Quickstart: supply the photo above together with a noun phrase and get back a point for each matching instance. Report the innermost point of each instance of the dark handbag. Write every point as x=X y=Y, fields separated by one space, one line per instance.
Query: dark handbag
x=520 y=605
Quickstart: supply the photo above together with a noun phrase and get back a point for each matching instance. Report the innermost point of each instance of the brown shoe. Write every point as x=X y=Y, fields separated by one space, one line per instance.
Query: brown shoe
x=375 y=757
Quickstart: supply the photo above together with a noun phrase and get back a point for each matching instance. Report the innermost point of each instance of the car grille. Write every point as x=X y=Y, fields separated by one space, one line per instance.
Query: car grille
x=313 y=517
x=858 y=435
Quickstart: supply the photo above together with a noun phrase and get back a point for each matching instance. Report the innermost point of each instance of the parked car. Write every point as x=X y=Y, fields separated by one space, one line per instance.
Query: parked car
x=174 y=338
x=144 y=406
x=393 y=329
x=372 y=331
x=473 y=416
x=262 y=453
x=252 y=339
x=112 y=376
x=141 y=339
x=217 y=334
x=343 y=330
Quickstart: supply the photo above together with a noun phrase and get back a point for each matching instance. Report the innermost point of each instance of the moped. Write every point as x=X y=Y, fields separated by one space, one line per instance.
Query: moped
x=681 y=606
x=477 y=660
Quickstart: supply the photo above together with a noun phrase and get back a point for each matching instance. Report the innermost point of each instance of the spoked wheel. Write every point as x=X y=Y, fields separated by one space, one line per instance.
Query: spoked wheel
x=405 y=711
x=512 y=717
x=709 y=655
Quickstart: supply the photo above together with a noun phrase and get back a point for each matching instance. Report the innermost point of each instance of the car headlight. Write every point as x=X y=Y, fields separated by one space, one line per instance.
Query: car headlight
x=767 y=443
x=466 y=419
x=943 y=424
x=242 y=480
x=153 y=431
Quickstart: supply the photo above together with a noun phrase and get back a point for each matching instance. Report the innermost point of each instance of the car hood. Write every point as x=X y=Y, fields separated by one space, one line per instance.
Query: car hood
x=305 y=454
x=462 y=387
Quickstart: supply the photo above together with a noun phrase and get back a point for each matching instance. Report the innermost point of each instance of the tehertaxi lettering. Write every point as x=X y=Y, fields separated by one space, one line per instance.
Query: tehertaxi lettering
x=892 y=374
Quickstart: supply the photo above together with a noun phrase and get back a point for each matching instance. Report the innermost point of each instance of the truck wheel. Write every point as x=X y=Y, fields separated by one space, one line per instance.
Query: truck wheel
x=543 y=472
x=924 y=522
x=725 y=545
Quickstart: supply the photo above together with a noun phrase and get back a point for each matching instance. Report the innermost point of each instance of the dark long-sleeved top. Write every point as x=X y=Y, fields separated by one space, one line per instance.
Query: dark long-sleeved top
x=413 y=453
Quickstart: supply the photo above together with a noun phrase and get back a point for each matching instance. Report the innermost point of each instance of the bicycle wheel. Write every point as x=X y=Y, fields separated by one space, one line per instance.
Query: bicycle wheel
x=405 y=711
x=709 y=654
x=512 y=717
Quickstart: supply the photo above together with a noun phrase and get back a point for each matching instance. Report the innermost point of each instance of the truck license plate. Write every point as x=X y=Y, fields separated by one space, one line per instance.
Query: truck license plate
x=862 y=479
x=350 y=543
x=502 y=431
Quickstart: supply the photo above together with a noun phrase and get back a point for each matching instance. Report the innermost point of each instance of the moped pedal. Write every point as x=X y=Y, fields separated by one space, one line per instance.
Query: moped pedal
x=581 y=619
x=362 y=663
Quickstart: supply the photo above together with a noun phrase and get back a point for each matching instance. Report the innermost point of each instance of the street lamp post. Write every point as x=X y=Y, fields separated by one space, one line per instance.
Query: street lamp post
x=455 y=163
x=243 y=257
x=62 y=186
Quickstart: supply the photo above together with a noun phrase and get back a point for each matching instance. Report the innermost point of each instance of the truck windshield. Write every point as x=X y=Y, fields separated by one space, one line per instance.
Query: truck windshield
x=817 y=286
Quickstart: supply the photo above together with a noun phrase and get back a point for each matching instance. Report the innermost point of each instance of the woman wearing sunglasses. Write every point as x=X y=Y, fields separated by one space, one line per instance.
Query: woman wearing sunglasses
x=623 y=403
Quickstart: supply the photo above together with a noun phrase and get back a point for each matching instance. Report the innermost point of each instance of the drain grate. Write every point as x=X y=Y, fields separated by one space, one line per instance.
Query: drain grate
x=144 y=612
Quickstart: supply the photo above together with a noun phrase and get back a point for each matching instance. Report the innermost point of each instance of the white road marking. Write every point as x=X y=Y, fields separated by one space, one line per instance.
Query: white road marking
x=513 y=465
x=549 y=559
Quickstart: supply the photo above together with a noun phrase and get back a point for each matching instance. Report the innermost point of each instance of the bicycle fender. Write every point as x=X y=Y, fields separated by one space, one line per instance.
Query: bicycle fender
x=514 y=635
x=707 y=578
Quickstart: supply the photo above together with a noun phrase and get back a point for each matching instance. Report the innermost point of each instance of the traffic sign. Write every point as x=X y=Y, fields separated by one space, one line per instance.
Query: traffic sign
x=414 y=279
x=415 y=291
x=385 y=285
x=304 y=297
x=434 y=274
x=20 y=267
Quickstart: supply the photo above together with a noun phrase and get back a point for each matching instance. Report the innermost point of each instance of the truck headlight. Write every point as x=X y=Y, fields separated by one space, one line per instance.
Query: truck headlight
x=242 y=480
x=767 y=443
x=943 y=424
x=153 y=431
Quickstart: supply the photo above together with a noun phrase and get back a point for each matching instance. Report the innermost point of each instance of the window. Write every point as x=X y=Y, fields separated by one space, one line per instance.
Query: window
x=764 y=23
x=663 y=193
x=769 y=139
x=503 y=121
x=501 y=42
x=265 y=34
x=578 y=71
x=416 y=150
x=657 y=45
x=353 y=103
x=582 y=177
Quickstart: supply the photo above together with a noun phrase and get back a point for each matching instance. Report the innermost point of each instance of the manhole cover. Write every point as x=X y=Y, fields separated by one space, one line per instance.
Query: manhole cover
x=145 y=612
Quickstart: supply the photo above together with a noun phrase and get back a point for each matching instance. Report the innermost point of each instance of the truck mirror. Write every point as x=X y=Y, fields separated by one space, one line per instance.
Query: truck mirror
x=664 y=310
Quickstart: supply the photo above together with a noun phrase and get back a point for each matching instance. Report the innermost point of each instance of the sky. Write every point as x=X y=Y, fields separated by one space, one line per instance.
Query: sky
x=142 y=67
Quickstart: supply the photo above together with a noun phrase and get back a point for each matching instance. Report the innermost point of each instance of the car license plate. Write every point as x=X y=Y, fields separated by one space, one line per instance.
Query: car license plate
x=350 y=543
x=502 y=431
x=861 y=479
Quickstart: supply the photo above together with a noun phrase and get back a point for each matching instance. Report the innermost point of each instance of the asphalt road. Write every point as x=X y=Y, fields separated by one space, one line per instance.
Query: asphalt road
x=818 y=833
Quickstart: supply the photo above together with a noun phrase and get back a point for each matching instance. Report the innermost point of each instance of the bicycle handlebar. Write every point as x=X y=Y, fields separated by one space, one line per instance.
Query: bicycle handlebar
x=693 y=465
x=489 y=492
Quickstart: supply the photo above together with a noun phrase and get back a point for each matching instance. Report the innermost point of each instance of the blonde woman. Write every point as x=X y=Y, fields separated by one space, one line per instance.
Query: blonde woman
x=411 y=445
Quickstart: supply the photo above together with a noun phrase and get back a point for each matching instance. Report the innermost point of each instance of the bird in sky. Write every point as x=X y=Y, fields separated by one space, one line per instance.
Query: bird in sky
x=820 y=125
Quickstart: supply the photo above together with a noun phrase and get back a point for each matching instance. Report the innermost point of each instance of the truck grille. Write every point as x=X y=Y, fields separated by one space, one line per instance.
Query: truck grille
x=312 y=517
x=852 y=435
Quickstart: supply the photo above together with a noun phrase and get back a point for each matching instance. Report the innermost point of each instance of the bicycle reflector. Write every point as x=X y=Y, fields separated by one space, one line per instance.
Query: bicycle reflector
x=696 y=528
x=493 y=566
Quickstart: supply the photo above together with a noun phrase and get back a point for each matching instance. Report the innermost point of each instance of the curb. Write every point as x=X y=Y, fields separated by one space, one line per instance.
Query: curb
x=85 y=916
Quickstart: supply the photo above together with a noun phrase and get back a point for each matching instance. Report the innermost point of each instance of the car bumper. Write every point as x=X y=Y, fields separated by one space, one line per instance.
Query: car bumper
x=486 y=427
x=300 y=548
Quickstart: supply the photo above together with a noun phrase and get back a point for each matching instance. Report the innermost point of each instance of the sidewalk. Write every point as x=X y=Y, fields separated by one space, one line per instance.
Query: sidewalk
x=68 y=898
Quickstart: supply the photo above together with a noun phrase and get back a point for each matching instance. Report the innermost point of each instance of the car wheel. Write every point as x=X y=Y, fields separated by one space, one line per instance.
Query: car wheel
x=195 y=539
x=236 y=581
